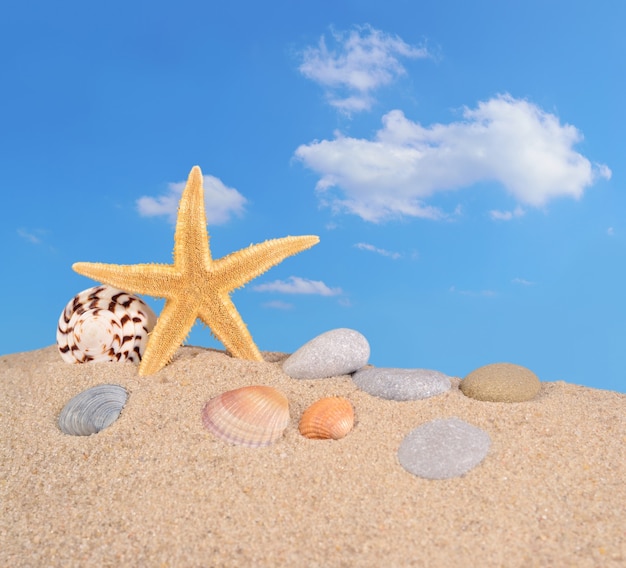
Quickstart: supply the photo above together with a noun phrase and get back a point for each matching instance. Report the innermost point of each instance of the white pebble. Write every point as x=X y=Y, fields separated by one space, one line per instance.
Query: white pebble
x=443 y=448
x=335 y=352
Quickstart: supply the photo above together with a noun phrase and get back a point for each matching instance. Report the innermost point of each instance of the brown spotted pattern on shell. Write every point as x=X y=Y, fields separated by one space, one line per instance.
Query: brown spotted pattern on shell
x=92 y=410
x=249 y=416
x=104 y=324
x=329 y=418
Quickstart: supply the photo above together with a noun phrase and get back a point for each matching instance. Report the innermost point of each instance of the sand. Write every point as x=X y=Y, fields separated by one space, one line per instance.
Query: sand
x=156 y=489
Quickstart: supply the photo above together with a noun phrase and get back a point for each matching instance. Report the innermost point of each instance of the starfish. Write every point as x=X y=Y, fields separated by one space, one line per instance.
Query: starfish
x=195 y=285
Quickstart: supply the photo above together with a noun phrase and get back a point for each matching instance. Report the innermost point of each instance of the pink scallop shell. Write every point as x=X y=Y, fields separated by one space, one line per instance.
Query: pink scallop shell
x=249 y=416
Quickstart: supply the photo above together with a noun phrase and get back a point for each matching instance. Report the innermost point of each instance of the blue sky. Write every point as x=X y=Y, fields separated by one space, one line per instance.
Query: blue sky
x=462 y=163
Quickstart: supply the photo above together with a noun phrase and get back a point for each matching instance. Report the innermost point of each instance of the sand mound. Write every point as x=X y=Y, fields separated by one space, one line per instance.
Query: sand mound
x=156 y=489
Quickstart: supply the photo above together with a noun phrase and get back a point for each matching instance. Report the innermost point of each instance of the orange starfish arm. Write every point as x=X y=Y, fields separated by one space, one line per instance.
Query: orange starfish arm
x=150 y=279
x=172 y=327
x=240 y=267
x=227 y=326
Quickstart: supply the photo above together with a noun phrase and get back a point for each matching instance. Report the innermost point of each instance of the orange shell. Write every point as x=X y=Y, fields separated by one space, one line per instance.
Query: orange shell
x=250 y=416
x=329 y=418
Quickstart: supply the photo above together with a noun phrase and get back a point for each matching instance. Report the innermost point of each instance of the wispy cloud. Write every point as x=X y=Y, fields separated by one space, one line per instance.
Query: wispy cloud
x=382 y=252
x=522 y=282
x=359 y=62
x=512 y=141
x=506 y=215
x=610 y=231
x=221 y=201
x=36 y=237
x=297 y=285
x=33 y=237
x=278 y=305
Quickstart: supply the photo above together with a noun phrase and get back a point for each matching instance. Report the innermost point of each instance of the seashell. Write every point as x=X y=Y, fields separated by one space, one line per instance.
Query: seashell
x=249 y=416
x=329 y=418
x=92 y=410
x=104 y=324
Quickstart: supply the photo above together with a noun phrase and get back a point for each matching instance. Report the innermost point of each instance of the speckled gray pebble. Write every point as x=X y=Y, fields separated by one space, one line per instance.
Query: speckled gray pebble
x=336 y=352
x=443 y=448
x=401 y=384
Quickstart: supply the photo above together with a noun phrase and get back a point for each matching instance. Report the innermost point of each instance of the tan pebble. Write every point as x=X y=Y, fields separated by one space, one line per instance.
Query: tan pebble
x=501 y=382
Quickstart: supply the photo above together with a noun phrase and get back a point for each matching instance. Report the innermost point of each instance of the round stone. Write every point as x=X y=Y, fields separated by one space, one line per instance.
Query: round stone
x=336 y=352
x=443 y=448
x=401 y=384
x=501 y=382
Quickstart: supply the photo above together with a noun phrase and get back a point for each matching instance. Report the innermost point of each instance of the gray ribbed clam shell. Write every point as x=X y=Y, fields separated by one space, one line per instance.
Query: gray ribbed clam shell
x=92 y=410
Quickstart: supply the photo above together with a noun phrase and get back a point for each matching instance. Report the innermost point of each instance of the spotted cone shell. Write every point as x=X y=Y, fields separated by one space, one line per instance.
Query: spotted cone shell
x=104 y=324
x=92 y=410
x=250 y=416
x=329 y=418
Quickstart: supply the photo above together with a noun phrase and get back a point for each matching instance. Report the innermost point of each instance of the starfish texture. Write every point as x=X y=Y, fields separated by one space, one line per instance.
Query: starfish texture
x=196 y=286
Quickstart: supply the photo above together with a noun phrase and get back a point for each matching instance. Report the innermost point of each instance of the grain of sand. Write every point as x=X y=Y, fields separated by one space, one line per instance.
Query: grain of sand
x=156 y=489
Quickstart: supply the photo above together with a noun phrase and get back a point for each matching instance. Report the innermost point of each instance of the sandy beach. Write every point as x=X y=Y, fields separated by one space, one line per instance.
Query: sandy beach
x=157 y=489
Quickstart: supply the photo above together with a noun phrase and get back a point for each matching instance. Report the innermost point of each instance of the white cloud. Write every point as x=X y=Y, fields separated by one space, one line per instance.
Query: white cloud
x=522 y=282
x=297 y=285
x=363 y=60
x=610 y=231
x=383 y=252
x=220 y=201
x=506 y=215
x=506 y=140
